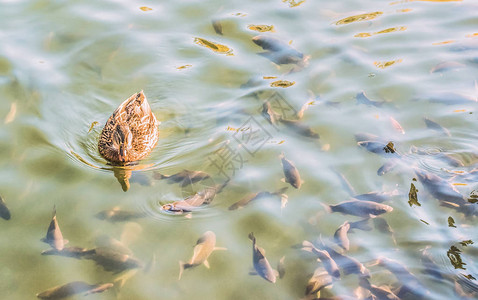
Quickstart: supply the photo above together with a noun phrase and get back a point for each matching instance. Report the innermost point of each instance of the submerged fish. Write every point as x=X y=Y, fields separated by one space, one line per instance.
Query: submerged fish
x=112 y=260
x=436 y=127
x=260 y=195
x=185 y=177
x=270 y=115
x=291 y=173
x=75 y=252
x=379 y=292
x=205 y=245
x=280 y=52
x=365 y=209
x=300 y=128
x=260 y=262
x=117 y=215
x=192 y=202
x=341 y=237
x=4 y=211
x=362 y=98
x=53 y=236
x=439 y=188
x=73 y=288
x=319 y=280
x=347 y=264
x=328 y=263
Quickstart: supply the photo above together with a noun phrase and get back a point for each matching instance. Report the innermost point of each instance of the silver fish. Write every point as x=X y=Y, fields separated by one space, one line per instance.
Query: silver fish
x=328 y=263
x=349 y=265
x=256 y=196
x=341 y=237
x=365 y=209
x=291 y=173
x=280 y=52
x=4 y=211
x=260 y=262
x=439 y=188
x=205 y=245
x=436 y=127
x=72 y=288
x=53 y=236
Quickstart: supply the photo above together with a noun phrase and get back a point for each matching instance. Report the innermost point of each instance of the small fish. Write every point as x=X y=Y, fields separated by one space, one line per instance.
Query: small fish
x=378 y=292
x=280 y=52
x=397 y=125
x=345 y=183
x=365 y=209
x=112 y=260
x=205 y=245
x=191 y=203
x=388 y=166
x=217 y=25
x=260 y=262
x=53 y=236
x=291 y=173
x=439 y=188
x=362 y=98
x=378 y=197
x=319 y=280
x=75 y=252
x=260 y=195
x=270 y=115
x=410 y=282
x=4 y=211
x=117 y=215
x=436 y=127
x=300 y=128
x=328 y=263
x=379 y=147
x=347 y=264
x=70 y=289
x=185 y=177
x=341 y=237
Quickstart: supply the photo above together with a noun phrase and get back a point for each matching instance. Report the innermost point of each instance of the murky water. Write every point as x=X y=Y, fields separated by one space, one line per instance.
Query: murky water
x=65 y=65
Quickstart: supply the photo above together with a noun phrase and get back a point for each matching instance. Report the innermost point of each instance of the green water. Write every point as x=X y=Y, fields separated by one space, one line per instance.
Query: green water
x=67 y=64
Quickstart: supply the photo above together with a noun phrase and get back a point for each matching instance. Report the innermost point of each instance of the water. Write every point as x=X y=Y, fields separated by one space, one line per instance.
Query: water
x=65 y=65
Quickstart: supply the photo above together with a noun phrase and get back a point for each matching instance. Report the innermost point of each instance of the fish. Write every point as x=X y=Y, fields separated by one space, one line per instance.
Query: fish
x=436 y=127
x=117 y=215
x=112 y=260
x=365 y=209
x=379 y=292
x=378 y=197
x=387 y=167
x=4 y=211
x=53 y=236
x=205 y=245
x=191 y=203
x=319 y=280
x=292 y=175
x=300 y=128
x=347 y=264
x=341 y=237
x=280 y=52
x=281 y=267
x=345 y=183
x=362 y=98
x=446 y=66
x=260 y=262
x=397 y=125
x=75 y=252
x=260 y=195
x=362 y=225
x=217 y=25
x=328 y=263
x=439 y=188
x=410 y=282
x=73 y=288
x=185 y=177
x=269 y=114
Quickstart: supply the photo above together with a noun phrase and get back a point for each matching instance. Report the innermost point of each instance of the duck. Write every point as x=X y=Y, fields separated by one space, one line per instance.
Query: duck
x=131 y=132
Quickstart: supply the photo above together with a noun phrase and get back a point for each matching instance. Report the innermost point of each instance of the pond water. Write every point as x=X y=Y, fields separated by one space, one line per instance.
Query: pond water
x=360 y=74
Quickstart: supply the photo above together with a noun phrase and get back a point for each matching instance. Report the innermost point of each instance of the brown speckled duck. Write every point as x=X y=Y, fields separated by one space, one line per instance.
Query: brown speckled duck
x=130 y=133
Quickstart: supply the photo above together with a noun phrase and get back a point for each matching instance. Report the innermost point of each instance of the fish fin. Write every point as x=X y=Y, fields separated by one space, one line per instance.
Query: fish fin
x=181 y=269
x=219 y=248
x=206 y=264
x=44 y=240
x=253 y=273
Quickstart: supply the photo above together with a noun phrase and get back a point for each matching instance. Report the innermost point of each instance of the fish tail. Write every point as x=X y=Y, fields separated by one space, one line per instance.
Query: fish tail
x=252 y=237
